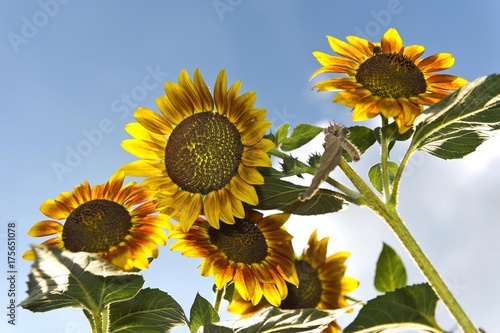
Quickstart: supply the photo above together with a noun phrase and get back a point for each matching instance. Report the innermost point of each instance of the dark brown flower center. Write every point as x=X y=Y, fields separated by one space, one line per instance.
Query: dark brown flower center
x=203 y=153
x=391 y=76
x=95 y=226
x=240 y=242
x=308 y=293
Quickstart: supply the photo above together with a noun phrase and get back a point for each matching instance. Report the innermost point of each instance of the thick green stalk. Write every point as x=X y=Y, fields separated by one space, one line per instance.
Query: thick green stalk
x=392 y=218
x=384 y=145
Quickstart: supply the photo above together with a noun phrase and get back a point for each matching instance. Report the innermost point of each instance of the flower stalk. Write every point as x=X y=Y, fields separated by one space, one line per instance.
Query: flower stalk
x=394 y=221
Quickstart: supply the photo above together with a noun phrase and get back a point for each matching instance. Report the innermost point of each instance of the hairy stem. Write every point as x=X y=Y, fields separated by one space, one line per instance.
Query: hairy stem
x=392 y=218
x=384 y=145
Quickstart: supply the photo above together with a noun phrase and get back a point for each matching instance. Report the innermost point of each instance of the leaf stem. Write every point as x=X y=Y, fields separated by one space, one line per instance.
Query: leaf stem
x=399 y=174
x=392 y=218
x=218 y=298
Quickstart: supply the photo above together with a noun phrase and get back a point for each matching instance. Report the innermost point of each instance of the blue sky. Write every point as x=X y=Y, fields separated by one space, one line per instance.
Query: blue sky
x=72 y=73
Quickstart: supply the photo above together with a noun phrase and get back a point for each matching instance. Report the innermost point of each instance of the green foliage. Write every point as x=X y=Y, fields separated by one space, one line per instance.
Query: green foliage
x=150 y=311
x=301 y=134
x=282 y=195
x=202 y=313
x=362 y=137
x=279 y=321
x=375 y=175
x=457 y=125
x=61 y=279
x=390 y=273
x=411 y=307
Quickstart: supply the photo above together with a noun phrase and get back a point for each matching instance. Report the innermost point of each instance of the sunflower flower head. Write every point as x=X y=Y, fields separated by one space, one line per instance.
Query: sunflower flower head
x=111 y=220
x=201 y=153
x=322 y=283
x=386 y=78
x=255 y=253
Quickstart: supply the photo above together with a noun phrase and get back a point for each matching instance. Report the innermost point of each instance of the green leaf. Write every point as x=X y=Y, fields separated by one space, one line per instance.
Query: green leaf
x=282 y=195
x=228 y=291
x=375 y=174
x=301 y=134
x=362 y=137
x=270 y=172
x=457 y=125
x=61 y=279
x=280 y=321
x=282 y=133
x=390 y=273
x=202 y=313
x=150 y=311
x=405 y=308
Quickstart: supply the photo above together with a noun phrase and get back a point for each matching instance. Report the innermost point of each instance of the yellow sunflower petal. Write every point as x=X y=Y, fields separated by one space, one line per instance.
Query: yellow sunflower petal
x=143 y=149
x=191 y=91
x=45 y=228
x=208 y=102
x=179 y=98
x=244 y=281
x=345 y=49
x=226 y=210
x=250 y=175
x=211 y=208
x=271 y=294
x=169 y=111
x=55 y=209
x=220 y=91
x=361 y=44
x=141 y=168
x=365 y=110
x=414 y=51
x=255 y=133
x=223 y=277
x=389 y=107
x=190 y=211
x=243 y=191
x=29 y=255
x=444 y=81
x=391 y=42
x=351 y=98
x=152 y=121
x=254 y=157
x=436 y=62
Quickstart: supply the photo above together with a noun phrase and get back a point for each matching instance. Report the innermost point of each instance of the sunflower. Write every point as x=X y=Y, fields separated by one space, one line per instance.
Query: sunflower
x=111 y=220
x=255 y=252
x=322 y=283
x=201 y=157
x=386 y=78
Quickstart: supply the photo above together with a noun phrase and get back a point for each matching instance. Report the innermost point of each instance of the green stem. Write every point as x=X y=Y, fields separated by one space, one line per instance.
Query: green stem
x=399 y=174
x=105 y=319
x=97 y=322
x=384 y=145
x=218 y=298
x=394 y=221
